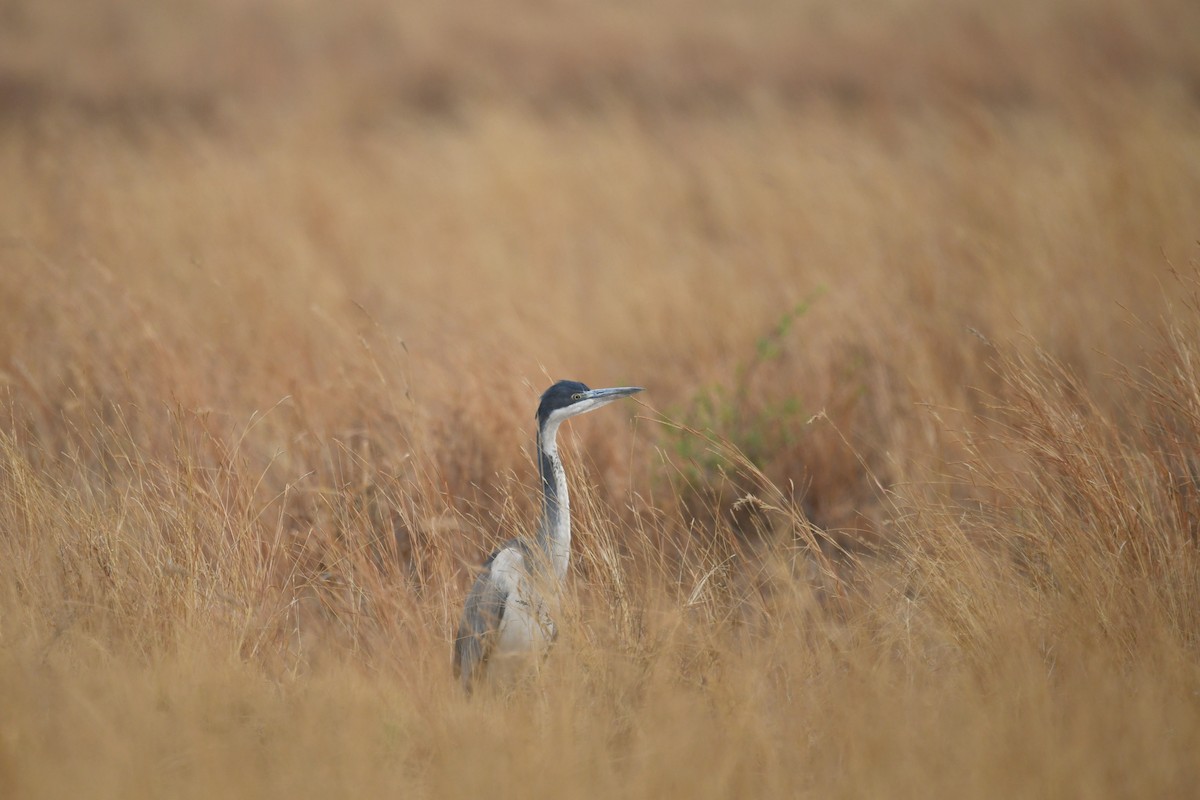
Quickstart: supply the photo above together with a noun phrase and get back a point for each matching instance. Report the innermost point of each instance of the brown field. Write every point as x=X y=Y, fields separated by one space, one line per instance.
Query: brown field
x=910 y=507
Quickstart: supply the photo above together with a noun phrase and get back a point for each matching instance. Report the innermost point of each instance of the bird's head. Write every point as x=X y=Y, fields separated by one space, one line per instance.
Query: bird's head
x=567 y=399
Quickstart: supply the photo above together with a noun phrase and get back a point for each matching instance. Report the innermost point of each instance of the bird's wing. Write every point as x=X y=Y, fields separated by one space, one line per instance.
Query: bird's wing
x=480 y=625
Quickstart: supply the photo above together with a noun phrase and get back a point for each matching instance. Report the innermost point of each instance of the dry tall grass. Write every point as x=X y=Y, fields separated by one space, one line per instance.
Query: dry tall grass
x=911 y=507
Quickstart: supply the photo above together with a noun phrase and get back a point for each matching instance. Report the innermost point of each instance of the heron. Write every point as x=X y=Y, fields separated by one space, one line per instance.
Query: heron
x=507 y=615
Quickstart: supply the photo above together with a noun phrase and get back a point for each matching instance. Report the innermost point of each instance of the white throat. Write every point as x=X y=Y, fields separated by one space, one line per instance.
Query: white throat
x=554 y=533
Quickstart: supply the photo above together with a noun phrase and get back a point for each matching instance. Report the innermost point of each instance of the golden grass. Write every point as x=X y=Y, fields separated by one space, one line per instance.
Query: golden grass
x=910 y=506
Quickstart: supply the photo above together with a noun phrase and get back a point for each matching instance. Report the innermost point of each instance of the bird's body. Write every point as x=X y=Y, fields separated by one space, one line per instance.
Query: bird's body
x=509 y=611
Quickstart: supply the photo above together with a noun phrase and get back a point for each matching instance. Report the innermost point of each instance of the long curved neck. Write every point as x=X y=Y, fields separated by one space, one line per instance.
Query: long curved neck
x=554 y=530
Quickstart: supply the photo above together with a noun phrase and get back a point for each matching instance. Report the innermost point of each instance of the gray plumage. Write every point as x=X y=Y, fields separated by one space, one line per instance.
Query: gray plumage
x=482 y=615
x=508 y=612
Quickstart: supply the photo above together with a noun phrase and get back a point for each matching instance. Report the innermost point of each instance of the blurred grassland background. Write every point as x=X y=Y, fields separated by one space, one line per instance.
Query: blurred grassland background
x=910 y=508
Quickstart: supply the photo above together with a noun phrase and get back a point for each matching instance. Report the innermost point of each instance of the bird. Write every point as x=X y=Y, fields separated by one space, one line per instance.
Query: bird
x=507 y=615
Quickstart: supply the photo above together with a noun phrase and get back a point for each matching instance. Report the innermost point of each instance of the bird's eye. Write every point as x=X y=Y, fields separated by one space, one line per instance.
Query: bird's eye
x=577 y=396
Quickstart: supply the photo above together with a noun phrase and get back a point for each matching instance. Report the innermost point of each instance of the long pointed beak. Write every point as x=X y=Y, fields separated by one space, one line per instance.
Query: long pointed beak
x=608 y=395
x=597 y=398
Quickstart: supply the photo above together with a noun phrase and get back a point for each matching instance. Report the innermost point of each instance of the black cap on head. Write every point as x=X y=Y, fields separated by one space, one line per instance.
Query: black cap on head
x=560 y=395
